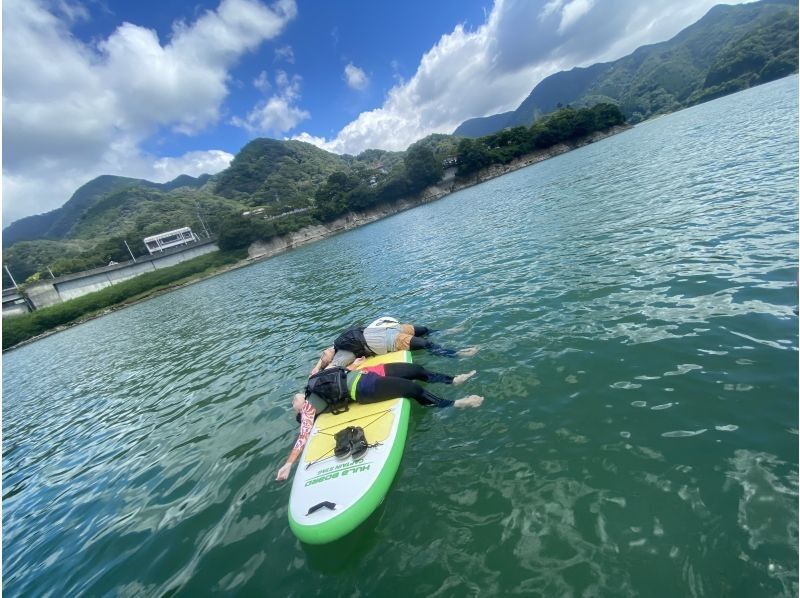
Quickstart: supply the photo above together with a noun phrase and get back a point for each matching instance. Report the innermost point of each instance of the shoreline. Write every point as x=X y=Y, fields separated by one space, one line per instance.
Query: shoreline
x=262 y=250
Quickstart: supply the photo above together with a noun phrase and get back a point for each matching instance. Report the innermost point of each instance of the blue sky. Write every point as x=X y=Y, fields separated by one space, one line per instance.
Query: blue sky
x=340 y=37
x=157 y=89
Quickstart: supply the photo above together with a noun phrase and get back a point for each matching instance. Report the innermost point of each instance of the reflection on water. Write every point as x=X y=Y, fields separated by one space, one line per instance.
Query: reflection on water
x=633 y=301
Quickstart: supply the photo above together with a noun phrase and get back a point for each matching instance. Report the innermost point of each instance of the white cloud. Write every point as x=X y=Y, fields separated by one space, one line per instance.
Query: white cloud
x=73 y=110
x=355 y=77
x=192 y=163
x=261 y=82
x=441 y=94
x=572 y=12
x=320 y=142
x=550 y=8
x=275 y=115
x=285 y=53
x=278 y=113
x=493 y=68
x=288 y=86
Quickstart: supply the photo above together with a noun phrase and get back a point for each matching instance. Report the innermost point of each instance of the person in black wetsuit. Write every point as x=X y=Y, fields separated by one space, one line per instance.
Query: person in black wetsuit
x=371 y=385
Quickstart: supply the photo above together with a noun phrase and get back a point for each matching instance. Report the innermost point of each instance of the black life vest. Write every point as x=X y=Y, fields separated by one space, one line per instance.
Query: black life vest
x=331 y=386
x=353 y=340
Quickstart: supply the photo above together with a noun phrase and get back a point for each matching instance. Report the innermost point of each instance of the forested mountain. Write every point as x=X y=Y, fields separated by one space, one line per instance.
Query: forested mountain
x=267 y=170
x=272 y=187
x=277 y=180
x=58 y=223
x=729 y=49
x=96 y=232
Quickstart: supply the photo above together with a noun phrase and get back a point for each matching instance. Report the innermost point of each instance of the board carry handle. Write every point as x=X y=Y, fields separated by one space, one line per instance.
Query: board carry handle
x=324 y=503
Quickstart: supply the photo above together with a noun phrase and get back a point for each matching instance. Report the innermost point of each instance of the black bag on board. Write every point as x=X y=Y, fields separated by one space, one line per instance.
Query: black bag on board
x=331 y=386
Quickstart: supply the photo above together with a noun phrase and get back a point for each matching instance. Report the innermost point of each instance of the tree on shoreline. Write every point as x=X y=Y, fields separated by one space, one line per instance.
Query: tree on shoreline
x=564 y=125
x=422 y=169
x=351 y=184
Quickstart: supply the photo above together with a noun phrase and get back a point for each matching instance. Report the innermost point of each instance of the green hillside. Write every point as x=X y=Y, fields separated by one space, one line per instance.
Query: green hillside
x=59 y=223
x=273 y=187
x=729 y=49
x=98 y=235
x=269 y=171
x=278 y=182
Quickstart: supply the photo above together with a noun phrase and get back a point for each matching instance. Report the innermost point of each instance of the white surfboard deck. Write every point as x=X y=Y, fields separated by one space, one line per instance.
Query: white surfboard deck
x=348 y=490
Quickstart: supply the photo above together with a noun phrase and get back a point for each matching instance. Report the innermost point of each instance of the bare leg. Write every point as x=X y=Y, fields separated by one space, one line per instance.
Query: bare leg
x=461 y=378
x=470 y=401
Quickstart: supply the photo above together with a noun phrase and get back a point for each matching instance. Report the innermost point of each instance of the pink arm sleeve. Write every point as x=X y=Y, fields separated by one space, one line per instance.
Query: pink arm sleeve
x=306 y=423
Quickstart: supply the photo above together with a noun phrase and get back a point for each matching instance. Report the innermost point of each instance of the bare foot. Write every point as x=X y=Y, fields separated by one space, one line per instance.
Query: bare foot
x=468 y=352
x=461 y=378
x=470 y=401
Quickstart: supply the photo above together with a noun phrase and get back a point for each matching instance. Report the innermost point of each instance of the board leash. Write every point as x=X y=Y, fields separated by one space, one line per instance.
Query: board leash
x=324 y=458
x=379 y=414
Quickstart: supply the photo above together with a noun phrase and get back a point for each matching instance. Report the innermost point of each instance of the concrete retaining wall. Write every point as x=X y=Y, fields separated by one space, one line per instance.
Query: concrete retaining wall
x=42 y=294
x=50 y=292
x=176 y=258
x=69 y=289
x=14 y=303
x=15 y=310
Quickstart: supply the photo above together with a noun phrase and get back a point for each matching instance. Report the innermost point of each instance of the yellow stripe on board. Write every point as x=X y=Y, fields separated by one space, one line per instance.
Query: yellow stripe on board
x=376 y=418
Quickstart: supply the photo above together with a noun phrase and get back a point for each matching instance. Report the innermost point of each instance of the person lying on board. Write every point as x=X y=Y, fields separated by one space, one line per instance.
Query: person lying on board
x=384 y=335
x=333 y=388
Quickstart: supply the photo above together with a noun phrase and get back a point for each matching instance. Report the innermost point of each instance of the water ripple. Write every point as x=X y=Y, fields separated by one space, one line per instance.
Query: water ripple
x=634 y=304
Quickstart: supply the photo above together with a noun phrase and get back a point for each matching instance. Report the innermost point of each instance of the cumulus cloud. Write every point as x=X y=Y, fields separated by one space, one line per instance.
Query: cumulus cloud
x=572 y=12
x=73 y=12
x=261 y=82
x=87 y=113
x=274 y=115
x=192 y=163
x=277 y=114
x=320 y=142
x=285 y=53
x=355 y=77
x=491 y=69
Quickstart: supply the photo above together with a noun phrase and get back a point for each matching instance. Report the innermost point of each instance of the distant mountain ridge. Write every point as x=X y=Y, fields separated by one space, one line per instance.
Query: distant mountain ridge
x=730 y=48
x=266 y=169
x=277 y=177
x=57 y=224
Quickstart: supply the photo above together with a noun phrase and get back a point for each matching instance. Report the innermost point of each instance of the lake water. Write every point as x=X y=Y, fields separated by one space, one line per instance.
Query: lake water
x=634 y=304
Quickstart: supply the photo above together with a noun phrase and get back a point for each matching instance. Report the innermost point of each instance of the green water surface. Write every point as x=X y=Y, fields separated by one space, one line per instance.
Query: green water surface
x=634 y=305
